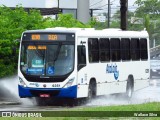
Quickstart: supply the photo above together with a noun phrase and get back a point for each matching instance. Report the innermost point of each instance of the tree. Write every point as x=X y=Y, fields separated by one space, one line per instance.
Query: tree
x=14 y=22
x=150 y=10
x=130 y=26
x=67 y=20
x=151 y=7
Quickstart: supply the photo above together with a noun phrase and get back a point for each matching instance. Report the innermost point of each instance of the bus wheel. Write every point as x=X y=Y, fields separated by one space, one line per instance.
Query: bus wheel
x=91 y=90
x=130 y=88
x=90 y=94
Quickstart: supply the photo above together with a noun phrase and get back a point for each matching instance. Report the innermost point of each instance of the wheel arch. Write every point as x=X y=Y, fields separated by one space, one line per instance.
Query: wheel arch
x=92 y=80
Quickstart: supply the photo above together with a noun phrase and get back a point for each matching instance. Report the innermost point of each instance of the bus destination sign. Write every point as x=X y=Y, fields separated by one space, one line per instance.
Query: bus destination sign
x=47 y=37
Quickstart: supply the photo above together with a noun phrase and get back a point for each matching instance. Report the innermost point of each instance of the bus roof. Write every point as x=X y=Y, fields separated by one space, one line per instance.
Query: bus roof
x=91 y=32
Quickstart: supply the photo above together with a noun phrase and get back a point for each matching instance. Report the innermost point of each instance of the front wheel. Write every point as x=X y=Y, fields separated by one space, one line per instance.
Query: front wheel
x=129 y=89
x=91 y=91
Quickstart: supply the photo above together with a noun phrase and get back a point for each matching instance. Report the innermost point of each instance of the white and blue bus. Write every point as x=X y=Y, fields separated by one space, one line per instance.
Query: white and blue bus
x=82 y=63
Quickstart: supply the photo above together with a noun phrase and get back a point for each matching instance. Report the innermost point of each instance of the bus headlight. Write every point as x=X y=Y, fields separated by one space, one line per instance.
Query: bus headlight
x=69 y=83
x=22 y=83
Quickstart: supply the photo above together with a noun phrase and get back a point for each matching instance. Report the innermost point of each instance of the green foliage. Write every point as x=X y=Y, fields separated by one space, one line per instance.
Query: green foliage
x=5 y=58
x=92 y=22
x=151 y=106
x=150 y=10
x=130 y=26
x=65 y=20
x=115 y=24
x=100 y=25
x=14 y=22
x=151 y=7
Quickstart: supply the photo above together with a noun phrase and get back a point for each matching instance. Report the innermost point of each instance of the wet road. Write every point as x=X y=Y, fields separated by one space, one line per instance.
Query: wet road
x=9 y=90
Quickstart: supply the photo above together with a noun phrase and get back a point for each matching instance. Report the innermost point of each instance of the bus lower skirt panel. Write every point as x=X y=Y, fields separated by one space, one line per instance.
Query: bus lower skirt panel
x=70 y=92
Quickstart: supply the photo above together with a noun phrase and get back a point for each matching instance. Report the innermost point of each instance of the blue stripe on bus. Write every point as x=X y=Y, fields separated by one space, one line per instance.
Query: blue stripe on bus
x=70 y=92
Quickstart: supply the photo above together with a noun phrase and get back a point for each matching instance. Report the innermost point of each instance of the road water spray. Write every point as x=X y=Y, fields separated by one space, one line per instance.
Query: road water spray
x=149 y=94
x=9 y=91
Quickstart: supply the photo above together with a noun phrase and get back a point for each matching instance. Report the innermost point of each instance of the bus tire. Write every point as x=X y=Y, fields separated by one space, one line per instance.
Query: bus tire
x=130 y=87
x=92 y=90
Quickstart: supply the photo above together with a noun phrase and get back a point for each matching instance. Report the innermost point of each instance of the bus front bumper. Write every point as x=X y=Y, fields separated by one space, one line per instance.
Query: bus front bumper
x=70 y=92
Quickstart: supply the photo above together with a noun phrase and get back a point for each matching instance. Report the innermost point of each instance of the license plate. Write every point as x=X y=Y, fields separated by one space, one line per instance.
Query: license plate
x=44 y=95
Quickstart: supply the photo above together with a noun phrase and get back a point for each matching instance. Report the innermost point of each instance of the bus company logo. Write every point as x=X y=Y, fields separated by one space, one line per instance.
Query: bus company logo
x=112 y=69
x=34 y=84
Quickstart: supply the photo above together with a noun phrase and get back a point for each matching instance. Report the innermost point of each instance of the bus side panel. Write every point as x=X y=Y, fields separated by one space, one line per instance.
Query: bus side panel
x=82 y=82
x=82 y=91
x=111 y=88
x=141 y=74
x=120 y=87
x=140 y=84
x=104 y=88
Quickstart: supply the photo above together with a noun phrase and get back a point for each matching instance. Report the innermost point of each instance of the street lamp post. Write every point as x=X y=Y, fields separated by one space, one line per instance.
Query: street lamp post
x=108 y=13
x=124 y=9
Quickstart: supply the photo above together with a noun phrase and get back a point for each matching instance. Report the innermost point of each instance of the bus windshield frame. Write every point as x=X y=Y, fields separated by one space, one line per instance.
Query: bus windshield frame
x=47 y=59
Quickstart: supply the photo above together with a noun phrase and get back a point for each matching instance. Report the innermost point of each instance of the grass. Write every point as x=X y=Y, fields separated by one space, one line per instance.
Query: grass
x=152 y=106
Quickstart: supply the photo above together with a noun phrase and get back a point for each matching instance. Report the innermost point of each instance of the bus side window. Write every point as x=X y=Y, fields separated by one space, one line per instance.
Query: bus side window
x=143 y=49
x=125 y=49
x=135 y=49
x=115 y=49
x=93 y=49
x=104 y=49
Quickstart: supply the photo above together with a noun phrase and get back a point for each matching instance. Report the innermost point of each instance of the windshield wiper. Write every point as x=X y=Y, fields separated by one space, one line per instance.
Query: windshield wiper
x=39 y=52
x=57 y=52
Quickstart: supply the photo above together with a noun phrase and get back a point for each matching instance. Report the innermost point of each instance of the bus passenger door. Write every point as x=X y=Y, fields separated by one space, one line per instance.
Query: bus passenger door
x=81 y=72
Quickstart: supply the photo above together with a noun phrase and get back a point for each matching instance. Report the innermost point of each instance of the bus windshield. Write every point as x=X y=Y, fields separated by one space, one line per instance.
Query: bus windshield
x=47 y=60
